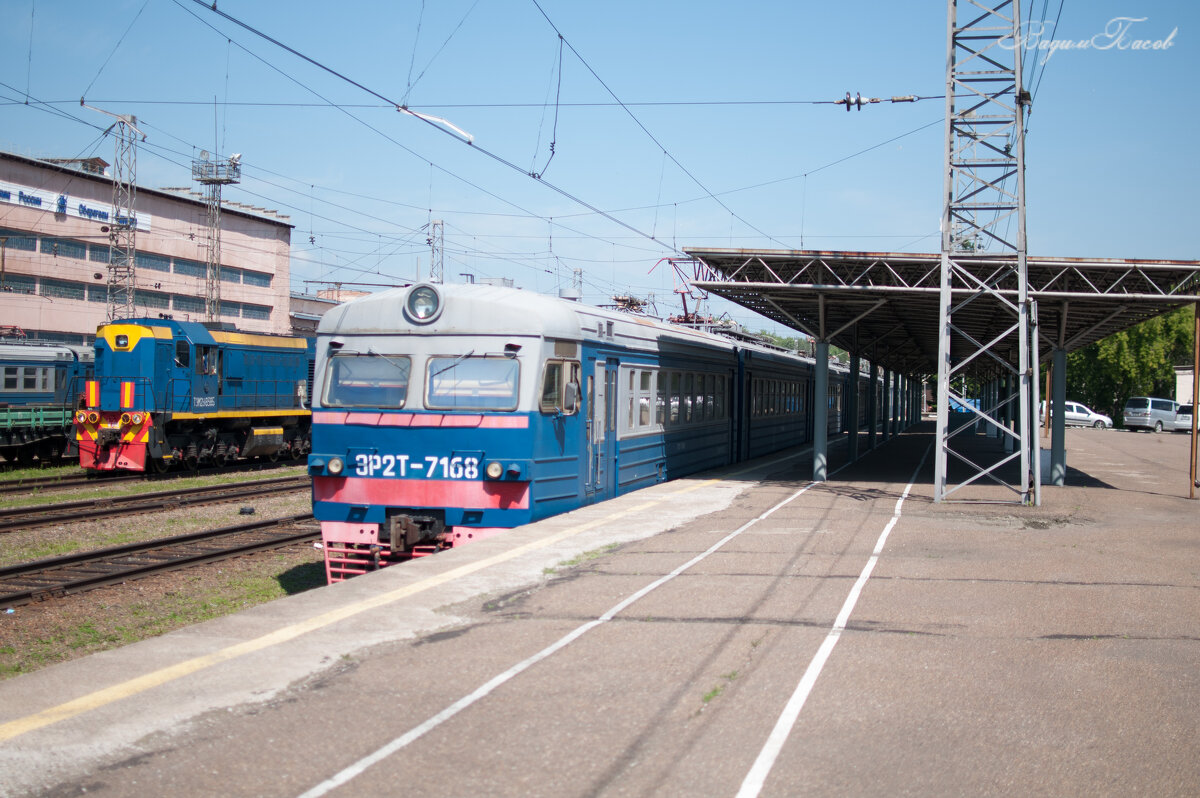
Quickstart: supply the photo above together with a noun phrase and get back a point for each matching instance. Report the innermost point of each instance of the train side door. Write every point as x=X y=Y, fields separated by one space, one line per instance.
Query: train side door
x=602 y=438
x=204 y=395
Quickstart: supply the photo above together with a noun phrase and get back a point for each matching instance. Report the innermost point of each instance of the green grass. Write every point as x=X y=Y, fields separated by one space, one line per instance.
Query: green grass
x=118 y=625
x=587 y=556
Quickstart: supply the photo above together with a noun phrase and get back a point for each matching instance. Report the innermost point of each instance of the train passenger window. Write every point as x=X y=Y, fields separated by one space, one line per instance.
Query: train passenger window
x=688 y=396
x=472 y=383
x=30 y=382
x=673 y=401
x=10 y=378
x=353 y=380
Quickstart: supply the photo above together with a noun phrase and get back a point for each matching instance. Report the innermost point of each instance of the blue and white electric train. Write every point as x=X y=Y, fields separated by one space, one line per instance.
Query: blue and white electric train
x=447 y=413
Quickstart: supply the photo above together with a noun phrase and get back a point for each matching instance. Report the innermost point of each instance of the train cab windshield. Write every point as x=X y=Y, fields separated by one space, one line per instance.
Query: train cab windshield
x=472 y=383
x=370 y=380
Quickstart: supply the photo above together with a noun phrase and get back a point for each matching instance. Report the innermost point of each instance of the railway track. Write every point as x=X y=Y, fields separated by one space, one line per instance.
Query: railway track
x=64 y=482
x=20 y=518
x=75 y=573
x=101 y=479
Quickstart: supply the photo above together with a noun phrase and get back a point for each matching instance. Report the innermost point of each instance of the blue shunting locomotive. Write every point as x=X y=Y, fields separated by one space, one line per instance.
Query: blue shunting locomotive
x=447 y=413
x=167 y=392
x=38 y=385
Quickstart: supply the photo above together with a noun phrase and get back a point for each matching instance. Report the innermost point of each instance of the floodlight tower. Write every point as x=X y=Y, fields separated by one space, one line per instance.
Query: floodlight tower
x=122 y=228
x=214 y=174
x=983 y=258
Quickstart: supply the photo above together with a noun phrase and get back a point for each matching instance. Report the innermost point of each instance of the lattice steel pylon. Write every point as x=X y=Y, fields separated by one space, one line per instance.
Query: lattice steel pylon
x=122 y=227
x=214 y=174
x=436 y=252
x=983 y=249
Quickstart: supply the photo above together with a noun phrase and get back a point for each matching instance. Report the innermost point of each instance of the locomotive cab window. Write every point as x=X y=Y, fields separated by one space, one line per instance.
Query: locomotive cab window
x=468 y=382
x=183 y=354
x=206 y=360
x=560 y=387
x=354 y=380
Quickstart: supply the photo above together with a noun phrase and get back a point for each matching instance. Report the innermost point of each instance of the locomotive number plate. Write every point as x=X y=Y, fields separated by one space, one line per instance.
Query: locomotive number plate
x=402 y=465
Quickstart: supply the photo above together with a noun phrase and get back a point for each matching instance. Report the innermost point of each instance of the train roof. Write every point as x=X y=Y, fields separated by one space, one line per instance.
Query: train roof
x=472 y=309
x=43 y=351
x=204 y=333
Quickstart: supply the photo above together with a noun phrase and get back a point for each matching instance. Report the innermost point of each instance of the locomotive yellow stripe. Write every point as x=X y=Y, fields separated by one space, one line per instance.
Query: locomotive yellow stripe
x=250 y=339
x=243 y=414
x=126 y=395
x=93 y=394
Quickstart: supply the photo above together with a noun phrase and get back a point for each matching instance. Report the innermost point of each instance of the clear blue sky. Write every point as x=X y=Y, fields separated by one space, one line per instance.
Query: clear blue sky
x=722 y=141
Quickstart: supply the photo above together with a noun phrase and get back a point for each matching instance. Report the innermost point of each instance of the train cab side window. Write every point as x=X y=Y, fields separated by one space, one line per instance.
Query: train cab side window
x=183 y=354
x=560 y=387
x=206 y=360
x=354 y=380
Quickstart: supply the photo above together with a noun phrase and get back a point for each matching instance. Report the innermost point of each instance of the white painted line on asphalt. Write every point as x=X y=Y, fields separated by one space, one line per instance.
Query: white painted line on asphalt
x=753 y=783
x=486 y=689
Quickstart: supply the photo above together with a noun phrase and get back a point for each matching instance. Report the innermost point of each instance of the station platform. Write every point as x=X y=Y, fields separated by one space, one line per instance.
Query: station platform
x=744 y=632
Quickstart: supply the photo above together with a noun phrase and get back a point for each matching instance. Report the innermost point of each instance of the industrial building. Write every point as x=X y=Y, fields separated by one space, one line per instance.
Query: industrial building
x=55 y=219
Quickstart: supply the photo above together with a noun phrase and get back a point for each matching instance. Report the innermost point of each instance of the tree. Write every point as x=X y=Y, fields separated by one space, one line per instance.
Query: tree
x=1139 y=361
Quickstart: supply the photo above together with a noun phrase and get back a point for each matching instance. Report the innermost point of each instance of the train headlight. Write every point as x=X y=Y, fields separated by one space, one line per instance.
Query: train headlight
x=125 y=419
x=93 y=417
x=423 y=305
x=336 y=465
x=80 y=417
x=136 y=418
x=494 y=470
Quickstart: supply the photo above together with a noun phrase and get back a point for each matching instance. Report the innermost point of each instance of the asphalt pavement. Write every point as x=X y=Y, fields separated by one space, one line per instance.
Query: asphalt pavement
x=745 y=632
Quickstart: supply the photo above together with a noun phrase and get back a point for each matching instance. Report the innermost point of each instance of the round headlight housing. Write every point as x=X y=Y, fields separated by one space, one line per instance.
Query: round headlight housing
x=80 y=417
x=424 y=304
x=494 y=470
x=136 y=418
x=336 y=465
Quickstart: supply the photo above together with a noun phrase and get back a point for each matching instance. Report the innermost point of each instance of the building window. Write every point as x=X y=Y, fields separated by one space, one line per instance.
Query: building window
x=18 y=240
x=147 y=260
x=187 y=304
x=101 y=253
x=151 y=299
x=97 y=293
x=230 y=274
x=256 y=279
x=20 y=284
x=63 y=289
x=260 y=312
x=190 y=268
x=64 y=247
x=231 y=309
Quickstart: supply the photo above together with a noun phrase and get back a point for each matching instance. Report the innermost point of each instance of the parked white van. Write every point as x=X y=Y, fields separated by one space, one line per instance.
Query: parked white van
x=1150 y=413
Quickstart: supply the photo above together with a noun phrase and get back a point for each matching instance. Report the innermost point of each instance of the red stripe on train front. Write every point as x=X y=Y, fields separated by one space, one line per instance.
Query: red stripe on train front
x=420 y=420
x=472 y=495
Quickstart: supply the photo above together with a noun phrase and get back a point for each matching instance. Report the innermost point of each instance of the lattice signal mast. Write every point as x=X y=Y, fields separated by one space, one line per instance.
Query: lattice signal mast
x=983 y=258
x=122 y=228
x=436 y=252
x=214 y=174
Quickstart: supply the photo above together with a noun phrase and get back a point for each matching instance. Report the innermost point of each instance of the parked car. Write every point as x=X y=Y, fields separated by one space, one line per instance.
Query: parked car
x=1078 y=415
x=1149 y=413
x=1183 y=419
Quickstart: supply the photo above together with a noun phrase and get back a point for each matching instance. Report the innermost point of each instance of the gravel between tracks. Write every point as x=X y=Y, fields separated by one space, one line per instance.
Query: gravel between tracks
x=36 y=635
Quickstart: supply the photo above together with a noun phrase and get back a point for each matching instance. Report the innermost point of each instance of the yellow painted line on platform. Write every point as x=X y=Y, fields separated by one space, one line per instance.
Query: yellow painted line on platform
x=140 y=684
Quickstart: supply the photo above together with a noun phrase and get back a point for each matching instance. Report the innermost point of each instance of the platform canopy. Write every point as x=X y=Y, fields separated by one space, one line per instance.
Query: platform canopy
x=884 y=305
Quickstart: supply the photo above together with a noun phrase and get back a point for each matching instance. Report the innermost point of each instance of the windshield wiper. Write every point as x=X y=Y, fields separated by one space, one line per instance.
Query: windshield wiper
x=452 y=364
